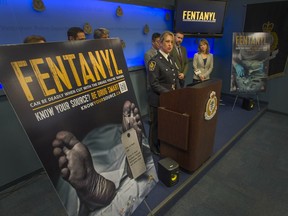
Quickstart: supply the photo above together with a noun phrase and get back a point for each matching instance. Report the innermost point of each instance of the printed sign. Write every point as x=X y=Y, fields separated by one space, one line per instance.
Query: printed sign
x=72 y=99
x=250 y=62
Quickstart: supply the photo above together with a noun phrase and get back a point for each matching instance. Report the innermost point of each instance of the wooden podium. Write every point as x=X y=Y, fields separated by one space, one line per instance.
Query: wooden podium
x=187 y=123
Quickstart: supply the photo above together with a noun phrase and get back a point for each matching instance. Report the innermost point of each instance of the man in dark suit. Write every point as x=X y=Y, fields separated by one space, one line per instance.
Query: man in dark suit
x=179 y=53
x=76 y=33
x=164 y=76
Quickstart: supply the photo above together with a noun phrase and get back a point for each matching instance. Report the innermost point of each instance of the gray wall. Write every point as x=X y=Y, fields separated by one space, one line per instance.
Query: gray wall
x=17 y=157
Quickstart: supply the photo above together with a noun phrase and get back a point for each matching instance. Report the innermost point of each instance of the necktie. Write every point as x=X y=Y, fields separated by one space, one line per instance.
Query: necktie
x=169 y=60
x=180 y=54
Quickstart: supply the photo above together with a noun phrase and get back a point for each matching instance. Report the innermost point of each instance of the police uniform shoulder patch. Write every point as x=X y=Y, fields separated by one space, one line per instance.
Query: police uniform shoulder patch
x=152 y=65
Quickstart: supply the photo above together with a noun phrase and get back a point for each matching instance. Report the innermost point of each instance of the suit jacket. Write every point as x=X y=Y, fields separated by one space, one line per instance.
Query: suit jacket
x=198 y=63
x=181 y=63
x=163 y=77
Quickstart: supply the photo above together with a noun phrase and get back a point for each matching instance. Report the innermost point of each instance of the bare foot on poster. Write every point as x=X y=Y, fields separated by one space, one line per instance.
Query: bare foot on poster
x=131 y=119
x=76 y=166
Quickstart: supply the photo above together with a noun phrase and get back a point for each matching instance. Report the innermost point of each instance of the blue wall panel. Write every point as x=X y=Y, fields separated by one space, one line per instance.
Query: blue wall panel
x=19 y=19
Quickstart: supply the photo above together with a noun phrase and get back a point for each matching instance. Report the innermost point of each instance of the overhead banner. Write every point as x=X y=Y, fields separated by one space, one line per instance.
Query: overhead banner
x=76 y=103
x=250 y=62
x=199 y=17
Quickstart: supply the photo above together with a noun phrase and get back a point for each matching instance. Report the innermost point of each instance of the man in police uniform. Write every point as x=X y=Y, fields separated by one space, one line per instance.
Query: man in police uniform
x=164 y=76
x=152 y=52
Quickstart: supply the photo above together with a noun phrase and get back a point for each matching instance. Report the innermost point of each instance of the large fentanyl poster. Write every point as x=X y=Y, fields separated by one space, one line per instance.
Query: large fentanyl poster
x=76 y=103
x=250 y=62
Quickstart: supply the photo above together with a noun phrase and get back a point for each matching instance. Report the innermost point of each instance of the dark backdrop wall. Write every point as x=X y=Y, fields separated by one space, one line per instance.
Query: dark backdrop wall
x=18 y=19
x=234 y=22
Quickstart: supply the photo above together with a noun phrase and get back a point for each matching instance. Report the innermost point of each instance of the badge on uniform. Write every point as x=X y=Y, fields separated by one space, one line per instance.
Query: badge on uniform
x=152 y=65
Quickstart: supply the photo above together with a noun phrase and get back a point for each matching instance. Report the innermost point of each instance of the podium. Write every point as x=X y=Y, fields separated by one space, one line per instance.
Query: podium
x=187 y=120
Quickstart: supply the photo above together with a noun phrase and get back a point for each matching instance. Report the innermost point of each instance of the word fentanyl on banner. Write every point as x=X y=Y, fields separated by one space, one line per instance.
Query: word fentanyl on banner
x=100 y=65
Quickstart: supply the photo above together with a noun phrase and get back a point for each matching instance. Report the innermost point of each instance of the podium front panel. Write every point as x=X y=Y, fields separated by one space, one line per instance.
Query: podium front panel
x=194 y=102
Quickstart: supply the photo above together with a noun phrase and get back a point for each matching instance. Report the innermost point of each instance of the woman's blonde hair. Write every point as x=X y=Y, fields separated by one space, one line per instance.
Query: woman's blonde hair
x=165 y=34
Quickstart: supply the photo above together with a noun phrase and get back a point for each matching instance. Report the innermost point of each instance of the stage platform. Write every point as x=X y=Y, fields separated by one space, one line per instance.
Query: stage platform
x=37 y=196
x=232 y=123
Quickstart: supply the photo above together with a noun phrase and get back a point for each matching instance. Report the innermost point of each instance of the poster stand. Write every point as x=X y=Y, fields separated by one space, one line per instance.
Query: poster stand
x=250 y=64
x=236 y=98
x=148 y=207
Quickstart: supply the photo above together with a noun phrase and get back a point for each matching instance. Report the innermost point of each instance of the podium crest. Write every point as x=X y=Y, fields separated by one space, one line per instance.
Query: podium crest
x=211 y=106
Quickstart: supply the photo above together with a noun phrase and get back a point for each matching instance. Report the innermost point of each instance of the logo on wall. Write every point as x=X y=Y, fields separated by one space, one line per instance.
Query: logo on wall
x=268 y=27
x=211 y=106
x=262 y=17
x=38 y=5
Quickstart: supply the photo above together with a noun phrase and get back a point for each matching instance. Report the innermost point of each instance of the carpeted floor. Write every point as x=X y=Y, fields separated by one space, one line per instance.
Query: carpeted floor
x=250 y=180
x=230 y=126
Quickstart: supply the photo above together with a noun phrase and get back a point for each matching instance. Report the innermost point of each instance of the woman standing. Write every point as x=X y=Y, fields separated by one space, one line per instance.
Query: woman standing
x=164 y=76
x=202 y=62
